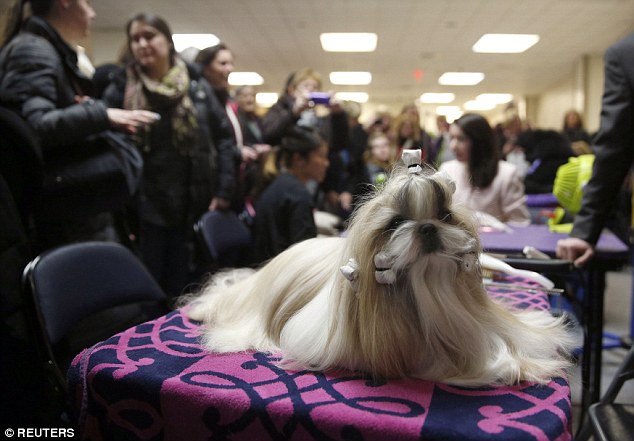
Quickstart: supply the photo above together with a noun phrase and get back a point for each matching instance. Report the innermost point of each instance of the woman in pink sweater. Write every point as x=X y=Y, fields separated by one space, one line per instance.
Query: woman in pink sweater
x=483 y=181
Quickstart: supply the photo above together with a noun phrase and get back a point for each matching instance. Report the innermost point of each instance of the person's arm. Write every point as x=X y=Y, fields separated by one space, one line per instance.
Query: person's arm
x=613 y=147
x=277 y=121
x=224 y=142
x=513 y=199
x=614 y=153
x=33 y=72
x=301 y=221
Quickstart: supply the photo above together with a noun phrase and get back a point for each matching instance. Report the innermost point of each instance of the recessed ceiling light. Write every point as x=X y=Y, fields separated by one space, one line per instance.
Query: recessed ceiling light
x=437 y=98
x=505 y=43
x=199 y=41
x=497 y=98
x=348 y=41
x=451 y=112
x=359 y=97
x=460 y=78
x=351 y=78
x=245 y=79
x=476 y=105
x=266 y=99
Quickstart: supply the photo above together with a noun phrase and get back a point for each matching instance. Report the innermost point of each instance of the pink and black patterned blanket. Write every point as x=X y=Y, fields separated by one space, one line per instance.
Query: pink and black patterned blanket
x=154 y=381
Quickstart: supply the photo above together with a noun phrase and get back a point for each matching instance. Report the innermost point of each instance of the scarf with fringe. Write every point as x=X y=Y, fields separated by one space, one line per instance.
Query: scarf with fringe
x=142 y=92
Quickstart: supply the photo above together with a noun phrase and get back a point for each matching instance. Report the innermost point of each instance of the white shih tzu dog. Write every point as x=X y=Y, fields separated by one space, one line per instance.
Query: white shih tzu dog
x=400 y=296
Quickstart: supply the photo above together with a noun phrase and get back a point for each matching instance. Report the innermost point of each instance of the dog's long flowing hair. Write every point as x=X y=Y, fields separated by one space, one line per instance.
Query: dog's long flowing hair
x=412 y=303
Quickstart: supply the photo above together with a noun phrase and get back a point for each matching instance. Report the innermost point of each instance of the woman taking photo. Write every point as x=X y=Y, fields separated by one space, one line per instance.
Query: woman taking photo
x=483 y=181
x=187 y=154
x=45 y=80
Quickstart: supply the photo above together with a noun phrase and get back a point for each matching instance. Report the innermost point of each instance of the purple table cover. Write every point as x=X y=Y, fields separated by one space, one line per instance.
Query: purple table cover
x=154 y=381
x=541 y=200
x=609 y=246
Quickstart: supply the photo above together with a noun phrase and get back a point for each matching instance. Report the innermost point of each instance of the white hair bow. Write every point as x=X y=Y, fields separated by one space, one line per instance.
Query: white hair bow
x=384 y=273
x=412 y=159
x=351 y=272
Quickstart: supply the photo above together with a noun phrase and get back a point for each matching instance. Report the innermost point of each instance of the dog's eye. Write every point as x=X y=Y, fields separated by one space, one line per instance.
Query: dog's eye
x=445 y=216
x=393 y=225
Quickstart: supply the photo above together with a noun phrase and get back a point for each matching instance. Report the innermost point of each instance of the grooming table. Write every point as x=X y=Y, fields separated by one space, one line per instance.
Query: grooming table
x=611 y=254
x=154 y=381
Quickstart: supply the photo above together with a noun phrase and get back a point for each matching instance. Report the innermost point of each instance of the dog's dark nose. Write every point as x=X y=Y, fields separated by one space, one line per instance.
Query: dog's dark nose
x=427 y=230
x=429 y=236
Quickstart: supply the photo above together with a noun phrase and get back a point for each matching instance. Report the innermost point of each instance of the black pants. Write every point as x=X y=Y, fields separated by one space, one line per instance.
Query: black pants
x=166 y=253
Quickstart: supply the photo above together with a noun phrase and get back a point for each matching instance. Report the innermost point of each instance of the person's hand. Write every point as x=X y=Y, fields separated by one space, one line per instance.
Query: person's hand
x=576 y=250
x=219 y=204
x=130 y=120
x=301 y=103
x=262 y=149
x=335 y=105
x=345 y=200
x=79 y=99
x=248 y=154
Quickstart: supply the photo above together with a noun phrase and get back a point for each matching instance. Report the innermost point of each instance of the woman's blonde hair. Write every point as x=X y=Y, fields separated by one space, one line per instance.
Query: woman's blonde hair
x=304 y=74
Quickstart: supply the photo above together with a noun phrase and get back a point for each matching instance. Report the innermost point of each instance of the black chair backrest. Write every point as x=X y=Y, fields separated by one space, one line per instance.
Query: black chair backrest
x=225 y=237
x=79 y=294
x=74 y=281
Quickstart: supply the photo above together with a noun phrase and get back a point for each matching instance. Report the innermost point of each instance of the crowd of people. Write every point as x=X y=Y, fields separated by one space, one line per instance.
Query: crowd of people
x=207 y=147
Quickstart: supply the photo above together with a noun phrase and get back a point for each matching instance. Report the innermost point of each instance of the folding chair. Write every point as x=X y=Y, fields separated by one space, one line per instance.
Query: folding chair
x=80 y=294
x=609 y=420
x=225 y=238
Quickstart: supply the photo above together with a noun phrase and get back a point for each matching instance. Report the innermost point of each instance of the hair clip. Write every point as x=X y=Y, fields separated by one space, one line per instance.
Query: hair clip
x=351 y=272
x=384 y=273
x=468 y=262
x=411 y=158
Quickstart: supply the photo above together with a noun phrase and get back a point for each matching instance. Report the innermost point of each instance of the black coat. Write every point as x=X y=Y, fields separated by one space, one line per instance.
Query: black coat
x=178 y=186
x=613 y=145
x=284 y=217
x=40 y=71
x=546 y=151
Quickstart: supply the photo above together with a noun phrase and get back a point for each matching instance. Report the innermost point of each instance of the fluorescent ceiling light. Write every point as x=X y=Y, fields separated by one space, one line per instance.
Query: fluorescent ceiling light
x=266 y=99
x=351 y=78
x=478 y=105
x=497 y=98
x=460 y=78
x=199 y=41
x=245 y=79
x=437 y=98
x=449 y=111
x=348 y=42
x=505 y=43
x=359 y=97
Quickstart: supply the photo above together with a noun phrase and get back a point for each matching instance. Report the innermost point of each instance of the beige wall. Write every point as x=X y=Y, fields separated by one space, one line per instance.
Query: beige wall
x=581 y=91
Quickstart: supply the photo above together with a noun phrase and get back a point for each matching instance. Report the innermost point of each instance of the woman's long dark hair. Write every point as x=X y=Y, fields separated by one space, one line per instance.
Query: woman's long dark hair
x=156 y=22
x=484 y=156
x=207 y=55
x=14 y=14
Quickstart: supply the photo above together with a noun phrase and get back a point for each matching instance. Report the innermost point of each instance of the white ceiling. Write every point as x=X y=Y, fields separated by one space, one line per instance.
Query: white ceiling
x=276 y=37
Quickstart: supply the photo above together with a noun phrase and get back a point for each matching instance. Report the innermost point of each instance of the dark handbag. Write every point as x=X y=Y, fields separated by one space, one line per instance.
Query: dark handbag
x=99 y=175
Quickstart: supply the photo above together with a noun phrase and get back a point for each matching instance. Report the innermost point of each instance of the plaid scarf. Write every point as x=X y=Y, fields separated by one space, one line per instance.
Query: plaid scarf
x=142 y=92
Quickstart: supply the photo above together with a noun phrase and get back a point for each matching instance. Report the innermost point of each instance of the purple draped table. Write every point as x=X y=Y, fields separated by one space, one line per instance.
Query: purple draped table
x=611 y=254
x=154 y=381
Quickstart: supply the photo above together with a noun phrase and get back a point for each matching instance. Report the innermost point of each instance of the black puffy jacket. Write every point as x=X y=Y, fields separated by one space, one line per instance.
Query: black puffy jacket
x=40 y=71
x=178 y=186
